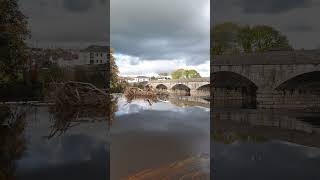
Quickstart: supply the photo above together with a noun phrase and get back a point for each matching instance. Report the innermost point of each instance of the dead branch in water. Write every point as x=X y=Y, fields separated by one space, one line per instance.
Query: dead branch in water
x=73 y=93
x=148 y=94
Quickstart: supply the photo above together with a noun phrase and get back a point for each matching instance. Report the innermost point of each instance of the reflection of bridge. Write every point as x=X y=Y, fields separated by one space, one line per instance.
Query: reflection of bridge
x=189 y=101
x=195 y=86
x=275 y=79
x=268 y=124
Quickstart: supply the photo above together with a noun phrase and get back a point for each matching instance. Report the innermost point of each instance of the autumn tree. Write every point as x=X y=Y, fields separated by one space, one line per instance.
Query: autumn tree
x=13 y=33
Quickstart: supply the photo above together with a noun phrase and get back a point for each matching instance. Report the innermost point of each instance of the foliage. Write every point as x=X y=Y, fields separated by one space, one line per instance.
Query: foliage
x=13 y=33
x=229 y=38
x=224 y=37
x=114 y=71
x=12 y=141
x=183 y=73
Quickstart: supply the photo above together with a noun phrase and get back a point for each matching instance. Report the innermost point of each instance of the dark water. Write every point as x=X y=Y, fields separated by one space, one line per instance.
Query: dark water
x=147 y=137
x=252 y=144
x=42 y=146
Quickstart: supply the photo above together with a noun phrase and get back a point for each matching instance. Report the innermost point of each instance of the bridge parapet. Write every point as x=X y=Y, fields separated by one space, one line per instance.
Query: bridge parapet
x=270 y=58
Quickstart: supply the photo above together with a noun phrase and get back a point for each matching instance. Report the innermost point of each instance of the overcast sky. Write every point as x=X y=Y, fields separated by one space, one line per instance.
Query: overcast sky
x=67 y=23
x=153 y=36
x=297 y=19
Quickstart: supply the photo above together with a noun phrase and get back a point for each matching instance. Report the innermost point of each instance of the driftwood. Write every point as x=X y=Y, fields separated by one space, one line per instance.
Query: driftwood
x=73 y=93
x=148 y=94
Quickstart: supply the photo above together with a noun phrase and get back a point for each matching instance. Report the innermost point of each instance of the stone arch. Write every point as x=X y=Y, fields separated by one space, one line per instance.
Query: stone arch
x=304 y=81
x=181 y=89
x=242 y=71
x=204 y=87
x=161 y=87
x=299 y=92
x=296 y=76
x=233 y=90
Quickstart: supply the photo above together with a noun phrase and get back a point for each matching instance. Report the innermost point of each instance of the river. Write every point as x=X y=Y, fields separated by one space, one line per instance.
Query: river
x=66 y=143
x=145 y=140
x=264 y=144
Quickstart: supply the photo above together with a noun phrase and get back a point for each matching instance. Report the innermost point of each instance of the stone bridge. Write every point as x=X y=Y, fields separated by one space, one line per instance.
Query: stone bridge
x=194 y=86
x=275 y=79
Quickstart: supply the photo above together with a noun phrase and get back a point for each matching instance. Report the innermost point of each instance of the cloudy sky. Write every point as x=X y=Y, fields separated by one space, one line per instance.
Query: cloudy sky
x=297 y=19
x=67 y=23
x=153 y=36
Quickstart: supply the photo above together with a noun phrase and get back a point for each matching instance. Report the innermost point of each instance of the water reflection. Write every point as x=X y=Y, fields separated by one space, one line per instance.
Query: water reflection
x=149 y=138
x=12 y=141
x=55 y=143
x=264 y=144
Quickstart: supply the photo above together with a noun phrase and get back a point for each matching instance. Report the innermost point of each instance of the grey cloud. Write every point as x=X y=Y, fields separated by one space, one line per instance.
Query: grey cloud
x=155 y=30
x=77 y=5
x=272 y=6
x=295 y=18
x=300 y=28
x=67 y=23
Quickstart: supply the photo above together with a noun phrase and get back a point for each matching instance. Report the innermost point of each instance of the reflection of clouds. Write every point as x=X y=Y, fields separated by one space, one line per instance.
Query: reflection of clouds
x=87 y=142
x=283 y=160
x=137 y=106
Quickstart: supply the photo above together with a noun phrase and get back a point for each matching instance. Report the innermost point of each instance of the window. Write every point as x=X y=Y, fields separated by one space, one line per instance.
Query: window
x=91 y=61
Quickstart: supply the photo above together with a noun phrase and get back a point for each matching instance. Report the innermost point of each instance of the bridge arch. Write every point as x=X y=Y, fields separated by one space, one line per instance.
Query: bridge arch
x=161 y=87
x=204 y=87
x=234 y=90
x=308 y=80
x=181 y=89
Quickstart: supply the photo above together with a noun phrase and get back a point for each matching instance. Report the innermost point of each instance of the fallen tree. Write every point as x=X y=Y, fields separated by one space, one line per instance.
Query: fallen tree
x=74 y=93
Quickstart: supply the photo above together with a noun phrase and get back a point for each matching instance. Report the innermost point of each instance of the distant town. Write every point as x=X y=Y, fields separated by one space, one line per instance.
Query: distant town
x=91 y=55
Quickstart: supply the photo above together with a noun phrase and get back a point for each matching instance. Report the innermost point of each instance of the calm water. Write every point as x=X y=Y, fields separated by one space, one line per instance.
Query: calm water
x=79 y=144
x=148 y=136
x=252 y=144
x=45 y=145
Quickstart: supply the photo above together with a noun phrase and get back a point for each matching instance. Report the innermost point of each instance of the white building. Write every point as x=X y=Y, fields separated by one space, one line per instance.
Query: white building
x=94 y=55
x=139 y=79
x=89 y=56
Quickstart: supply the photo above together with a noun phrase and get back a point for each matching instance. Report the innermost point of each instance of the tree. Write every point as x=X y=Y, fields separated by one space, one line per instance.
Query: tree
x=182 y=73
x=114 y=71
x=192 y=74
x=229 y=38
x=224 y=38
x=177 y=74
x=13 y=33
x=265 y=38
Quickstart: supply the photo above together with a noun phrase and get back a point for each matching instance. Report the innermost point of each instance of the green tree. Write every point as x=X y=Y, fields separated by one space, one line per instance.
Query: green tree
x=177 y=74
x=13 y=33
x=229 y=38
x=192 y=74
x=266 y=37
x=224 y=38
x=182 y=73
